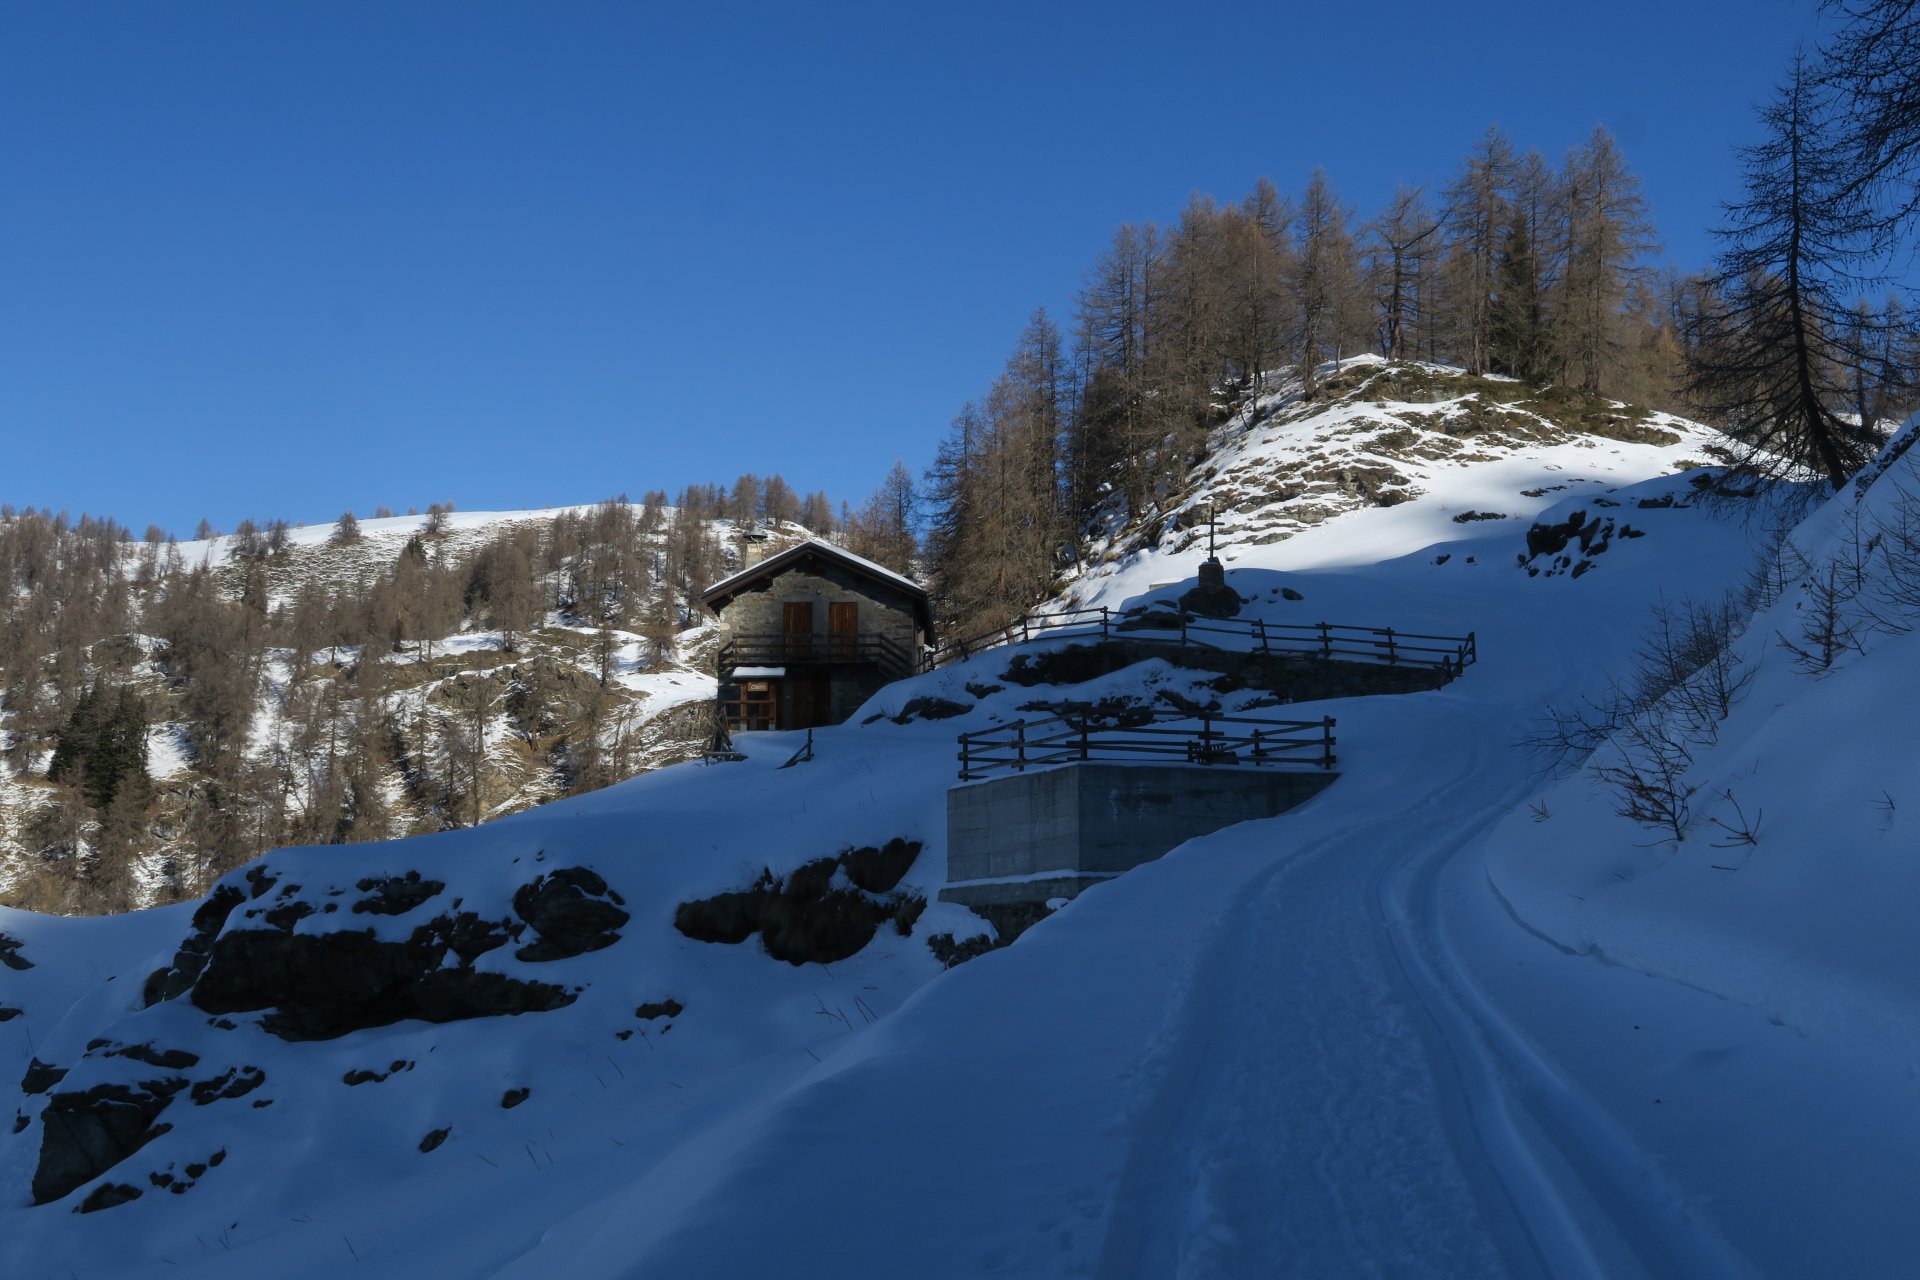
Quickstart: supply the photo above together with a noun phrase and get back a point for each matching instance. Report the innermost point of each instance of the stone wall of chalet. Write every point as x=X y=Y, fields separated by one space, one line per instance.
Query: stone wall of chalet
x=758 y=611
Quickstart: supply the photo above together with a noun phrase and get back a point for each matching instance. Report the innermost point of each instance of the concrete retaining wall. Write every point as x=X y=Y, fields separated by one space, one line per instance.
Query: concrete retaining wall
x=1100 y=818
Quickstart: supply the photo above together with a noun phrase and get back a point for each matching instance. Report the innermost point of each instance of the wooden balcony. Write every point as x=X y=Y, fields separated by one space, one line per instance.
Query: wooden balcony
x=815 y=652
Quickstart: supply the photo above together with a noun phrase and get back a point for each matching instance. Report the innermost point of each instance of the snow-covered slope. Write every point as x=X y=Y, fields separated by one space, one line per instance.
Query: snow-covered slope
x=655 y=710
x=1454 y=1016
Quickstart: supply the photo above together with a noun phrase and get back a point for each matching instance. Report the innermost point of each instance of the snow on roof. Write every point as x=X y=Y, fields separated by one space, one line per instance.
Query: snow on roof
x=771 y=564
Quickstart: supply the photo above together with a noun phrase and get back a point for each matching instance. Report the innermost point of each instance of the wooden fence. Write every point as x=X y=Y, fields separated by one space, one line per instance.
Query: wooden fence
x=1164 y=736
x=1329 y=641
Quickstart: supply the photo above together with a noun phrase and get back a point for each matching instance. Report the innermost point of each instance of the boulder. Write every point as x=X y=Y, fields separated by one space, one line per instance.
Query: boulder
x=84 y=1134
x=572 y=910
x=320 y=986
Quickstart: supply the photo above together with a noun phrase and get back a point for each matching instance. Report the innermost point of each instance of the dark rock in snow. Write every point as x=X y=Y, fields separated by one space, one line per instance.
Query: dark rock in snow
x=514 y=1097
x=324 y=985
x=8 y=1014
x=1551 y=539
x=805 y=919
x=362 y=1076
x=107 y=1195
x=668 y=1008
x=41 y=1076
x=571 y=910
x=10 y=953
x=395 y=895
x=235 y=1083
x=469 y=936
x=434 y=1139
x=168 y=1059
x=930 y=708
x=288 y=914
x=188 y=962
x=879 y=870
x=84 y=1134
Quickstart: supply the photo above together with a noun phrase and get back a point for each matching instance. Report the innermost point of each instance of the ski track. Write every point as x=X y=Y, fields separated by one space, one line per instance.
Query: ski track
x=1368 y=1178
x=1393 y=1124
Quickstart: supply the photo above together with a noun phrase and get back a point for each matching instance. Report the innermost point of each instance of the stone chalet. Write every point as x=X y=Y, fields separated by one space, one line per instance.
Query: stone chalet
x=810 y=633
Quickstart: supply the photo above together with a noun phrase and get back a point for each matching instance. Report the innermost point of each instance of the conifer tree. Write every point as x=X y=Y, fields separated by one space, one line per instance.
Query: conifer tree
x=1776 y=355
x=1476 y=213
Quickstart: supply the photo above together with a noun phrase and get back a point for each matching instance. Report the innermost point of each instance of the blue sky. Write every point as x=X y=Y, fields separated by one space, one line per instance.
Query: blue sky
x=286 y=259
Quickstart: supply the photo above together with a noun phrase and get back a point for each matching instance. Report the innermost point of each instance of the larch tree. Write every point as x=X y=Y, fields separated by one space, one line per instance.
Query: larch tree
x=1114 y=324
x=1476 y=214
x=1257 y=245
x=1402 y=243
x=1328 y=302
x=1776 y=356
x=1608 y=232
x=1870 y=66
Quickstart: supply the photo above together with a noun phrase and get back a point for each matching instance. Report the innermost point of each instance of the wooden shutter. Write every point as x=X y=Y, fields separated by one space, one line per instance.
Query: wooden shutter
x=843 y=625
x=797 y=621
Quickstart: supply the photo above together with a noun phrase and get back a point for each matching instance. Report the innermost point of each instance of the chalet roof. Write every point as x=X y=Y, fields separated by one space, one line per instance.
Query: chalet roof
x=717 y=595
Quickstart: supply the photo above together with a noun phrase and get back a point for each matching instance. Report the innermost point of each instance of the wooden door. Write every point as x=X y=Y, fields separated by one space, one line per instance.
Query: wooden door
x=843 y=627
x=812 y=702
x=797 y=622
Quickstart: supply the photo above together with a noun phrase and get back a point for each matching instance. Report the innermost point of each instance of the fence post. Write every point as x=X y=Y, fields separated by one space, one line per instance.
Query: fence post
x=1262 y=624
x=1020 y=732
x=1393 y=657
x=1206 y=738
x=1326 y=742
x=1085 y=750
x=1259 y=752
x=1326 y=643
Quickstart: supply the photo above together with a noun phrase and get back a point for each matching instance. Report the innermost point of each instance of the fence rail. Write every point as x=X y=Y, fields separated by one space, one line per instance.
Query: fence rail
x=1189 y=739
x=1325 y=640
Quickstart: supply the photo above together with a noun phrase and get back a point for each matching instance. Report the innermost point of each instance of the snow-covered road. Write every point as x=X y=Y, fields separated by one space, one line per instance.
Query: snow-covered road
x=1317 y=1122
x=1269 y=1067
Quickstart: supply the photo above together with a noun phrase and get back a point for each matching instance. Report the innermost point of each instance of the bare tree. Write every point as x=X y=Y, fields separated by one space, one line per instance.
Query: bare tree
x=1402 y=245
x=1870 y=65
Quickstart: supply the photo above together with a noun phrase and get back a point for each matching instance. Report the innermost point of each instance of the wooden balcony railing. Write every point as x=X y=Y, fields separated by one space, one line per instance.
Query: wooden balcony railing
x=783 y=649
